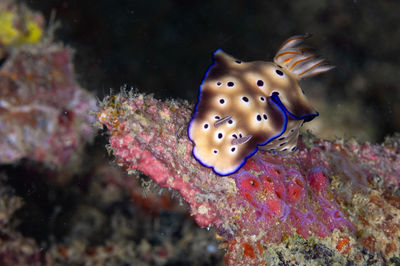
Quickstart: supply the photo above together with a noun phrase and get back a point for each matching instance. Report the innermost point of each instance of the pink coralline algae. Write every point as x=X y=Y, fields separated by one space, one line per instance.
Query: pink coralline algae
x=43 y=111
x=283 y=199
x=329 y=202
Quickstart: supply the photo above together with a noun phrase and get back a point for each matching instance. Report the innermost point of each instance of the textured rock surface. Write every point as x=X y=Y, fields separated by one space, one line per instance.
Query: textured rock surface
x=15 y=249
x=331 y=201
x=43 y=111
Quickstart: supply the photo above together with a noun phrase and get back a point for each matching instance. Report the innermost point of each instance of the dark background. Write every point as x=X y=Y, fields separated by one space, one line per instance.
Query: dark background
x=164 y=47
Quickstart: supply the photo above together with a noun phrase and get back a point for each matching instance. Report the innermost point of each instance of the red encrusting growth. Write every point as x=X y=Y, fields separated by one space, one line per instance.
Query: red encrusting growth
x=317 y=180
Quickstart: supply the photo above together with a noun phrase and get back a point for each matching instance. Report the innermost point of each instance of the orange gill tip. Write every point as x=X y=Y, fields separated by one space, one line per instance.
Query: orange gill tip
x=299 y=60
x=306 y=66
x=294 y=40
x=317 y=70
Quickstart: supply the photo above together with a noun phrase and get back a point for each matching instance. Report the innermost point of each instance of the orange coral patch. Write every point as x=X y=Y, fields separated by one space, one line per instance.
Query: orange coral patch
x=248 y=250
x=343 y=244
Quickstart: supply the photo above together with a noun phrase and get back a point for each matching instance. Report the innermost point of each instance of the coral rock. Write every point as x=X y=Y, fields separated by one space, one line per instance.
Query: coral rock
x=329 y=202
x=43 y=111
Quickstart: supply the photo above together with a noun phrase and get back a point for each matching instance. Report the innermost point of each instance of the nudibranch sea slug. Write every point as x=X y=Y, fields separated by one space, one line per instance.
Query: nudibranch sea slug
x=246 y=106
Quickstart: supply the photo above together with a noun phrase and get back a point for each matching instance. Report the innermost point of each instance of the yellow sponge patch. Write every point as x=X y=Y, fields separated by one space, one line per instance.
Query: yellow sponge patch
x=35 y=32
x=10 y=34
